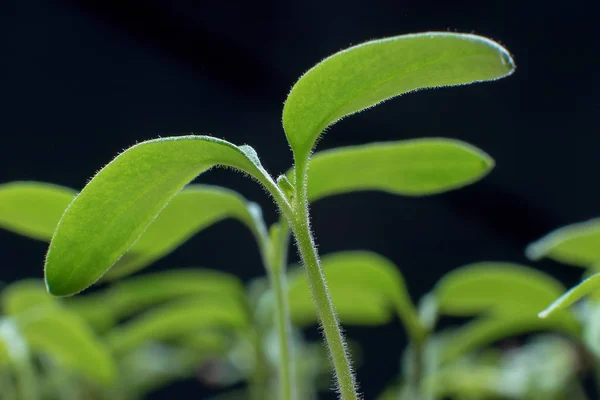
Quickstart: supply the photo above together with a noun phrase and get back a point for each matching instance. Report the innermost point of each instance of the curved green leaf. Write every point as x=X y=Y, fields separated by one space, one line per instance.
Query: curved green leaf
x=410 y=167
x=33 y=209
x=195 y=208
x=576 y=244
x=496 y=287
x=123 y=199
x=178 y=320
x=588 y=286
x=366 y=289
x=24 y=295
x=365 y=75
x=62 y=335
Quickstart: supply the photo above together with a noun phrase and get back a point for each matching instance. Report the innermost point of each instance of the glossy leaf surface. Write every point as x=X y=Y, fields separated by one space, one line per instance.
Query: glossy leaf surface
x=194 y=208
x=33 y=209
x=412 y=168
x=178 y=320
x=367 y=74
x=366 y=288
x=576 y=244
x=121 y=201
x=589 y=286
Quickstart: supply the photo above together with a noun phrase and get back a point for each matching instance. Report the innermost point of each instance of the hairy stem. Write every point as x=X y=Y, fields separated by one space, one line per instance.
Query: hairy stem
x=278 y=280
x=300 y=226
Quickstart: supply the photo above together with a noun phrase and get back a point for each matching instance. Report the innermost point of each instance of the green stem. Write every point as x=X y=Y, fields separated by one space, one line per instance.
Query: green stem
x=325 y=309
x=273 y=251
x=259 y=380
x=278 y=280
x=416 y=378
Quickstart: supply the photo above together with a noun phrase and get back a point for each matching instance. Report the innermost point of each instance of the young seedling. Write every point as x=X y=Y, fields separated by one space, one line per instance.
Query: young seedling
x=101 y=227
x=117 y=205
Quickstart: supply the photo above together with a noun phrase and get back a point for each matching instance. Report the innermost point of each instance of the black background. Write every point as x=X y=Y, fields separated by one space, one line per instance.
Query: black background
x=82 y=80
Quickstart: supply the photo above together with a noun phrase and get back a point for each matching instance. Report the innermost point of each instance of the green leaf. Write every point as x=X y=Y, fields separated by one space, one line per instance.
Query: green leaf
x=409 y=167
x=178 y=320
x=366 y=289
x=24 y=295
x=193 y=209
x=576 y=244
x=122 y=200
x=487 y=330
x=33 y=208
x=365 y=75
x=132 y=295
x=63 y=336
x=588 y=286
x=496 y=287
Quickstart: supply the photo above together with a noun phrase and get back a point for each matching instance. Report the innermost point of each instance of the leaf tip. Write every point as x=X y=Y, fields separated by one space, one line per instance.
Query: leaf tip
x=545 y=313
x=56 y=285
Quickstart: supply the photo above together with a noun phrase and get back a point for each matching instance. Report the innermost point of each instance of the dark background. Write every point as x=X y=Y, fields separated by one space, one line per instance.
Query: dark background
x=82 y=80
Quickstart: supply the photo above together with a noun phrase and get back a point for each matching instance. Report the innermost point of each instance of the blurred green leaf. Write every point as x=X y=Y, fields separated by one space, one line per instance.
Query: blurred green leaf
x=366 y=289
x=588 y=286
x=485 y=331
x=123 y=199
x=94 y=309
x=367 y=74
x=132 y=295
x=62 y=335
x=177 y=320
x=33 y=208
x=411 y=167
x=193 y=209
x=576 y=244
x=24 y=295
x=496 y=287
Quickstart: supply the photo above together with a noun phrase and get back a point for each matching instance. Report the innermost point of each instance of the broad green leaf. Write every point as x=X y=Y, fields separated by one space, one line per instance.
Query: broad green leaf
x=24 y=295
x=178 y=320
x=66 y=338
x=497 y=287
x=588 y=286
x=132 y=295
x=576 y=244
x=485 y=331
x=410 y=167
x=193 y=209
x=365 y=75
x=123 y=199
x=366 y=289
x=33 y=208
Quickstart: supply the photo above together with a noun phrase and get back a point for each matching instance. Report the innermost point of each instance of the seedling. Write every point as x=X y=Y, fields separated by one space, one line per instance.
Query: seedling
x=109 y=229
